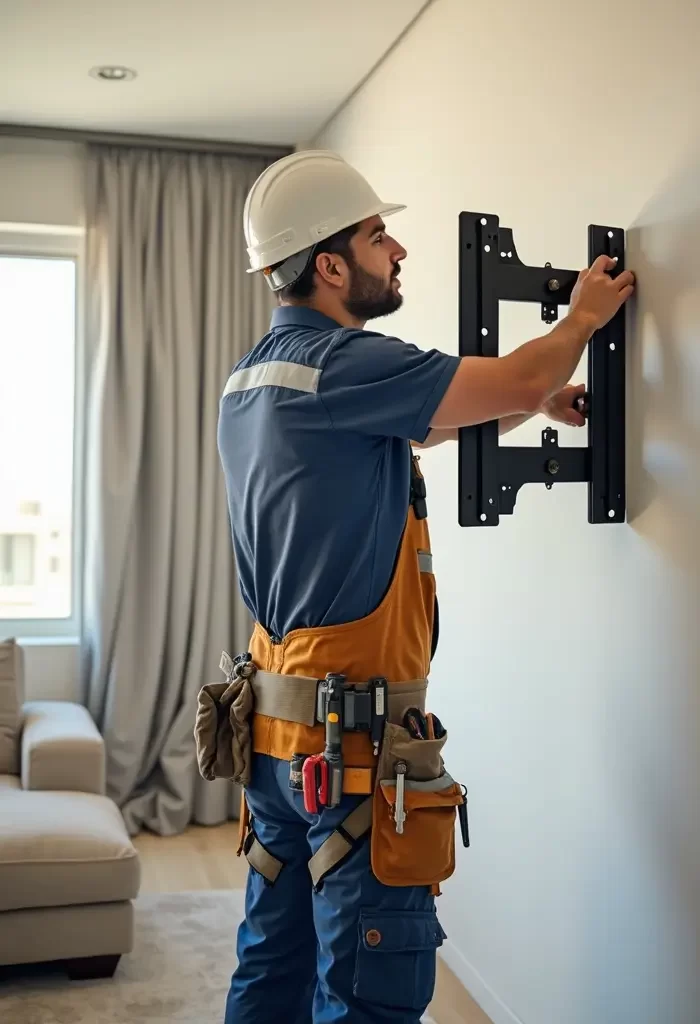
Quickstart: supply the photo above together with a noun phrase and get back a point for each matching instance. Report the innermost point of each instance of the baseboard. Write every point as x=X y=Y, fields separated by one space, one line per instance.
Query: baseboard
x=480 y=992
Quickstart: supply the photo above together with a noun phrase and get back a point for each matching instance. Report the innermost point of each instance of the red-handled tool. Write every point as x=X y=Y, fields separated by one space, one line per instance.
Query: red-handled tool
x=315 y=782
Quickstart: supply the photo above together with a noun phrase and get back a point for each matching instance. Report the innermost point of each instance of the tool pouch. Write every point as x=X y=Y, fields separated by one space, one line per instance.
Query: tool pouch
x=424 y=852
x=223 y=730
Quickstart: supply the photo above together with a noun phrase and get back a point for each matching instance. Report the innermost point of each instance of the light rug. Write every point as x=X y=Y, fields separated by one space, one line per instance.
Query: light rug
x=178 y=972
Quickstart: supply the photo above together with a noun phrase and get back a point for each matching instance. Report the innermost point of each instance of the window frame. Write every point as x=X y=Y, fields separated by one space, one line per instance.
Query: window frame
x=48 y=241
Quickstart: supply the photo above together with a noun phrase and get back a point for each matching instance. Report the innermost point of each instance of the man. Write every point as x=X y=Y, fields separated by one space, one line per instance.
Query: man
x=333 y=554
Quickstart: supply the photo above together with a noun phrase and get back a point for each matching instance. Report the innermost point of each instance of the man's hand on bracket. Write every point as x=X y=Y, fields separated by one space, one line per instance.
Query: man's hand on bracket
x=560 y=407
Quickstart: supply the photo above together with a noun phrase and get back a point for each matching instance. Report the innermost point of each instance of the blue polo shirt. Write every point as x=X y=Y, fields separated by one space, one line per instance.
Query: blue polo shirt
x=314 y=434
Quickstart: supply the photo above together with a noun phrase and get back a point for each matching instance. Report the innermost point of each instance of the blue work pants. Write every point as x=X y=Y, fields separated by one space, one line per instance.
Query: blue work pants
x=304 y=957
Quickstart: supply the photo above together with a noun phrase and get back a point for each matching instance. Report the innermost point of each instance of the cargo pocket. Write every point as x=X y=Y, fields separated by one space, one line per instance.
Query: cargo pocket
x=396 y=954
x=223 y=731
x=423 y=852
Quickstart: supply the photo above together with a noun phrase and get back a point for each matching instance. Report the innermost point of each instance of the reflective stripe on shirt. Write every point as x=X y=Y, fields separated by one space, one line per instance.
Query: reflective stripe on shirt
x=274 y=374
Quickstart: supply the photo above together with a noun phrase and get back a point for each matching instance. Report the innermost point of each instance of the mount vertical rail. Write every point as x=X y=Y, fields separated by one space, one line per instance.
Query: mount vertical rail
x=490 y=476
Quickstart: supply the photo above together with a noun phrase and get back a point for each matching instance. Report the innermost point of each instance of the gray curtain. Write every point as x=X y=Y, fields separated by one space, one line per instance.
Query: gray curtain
x=170 y=310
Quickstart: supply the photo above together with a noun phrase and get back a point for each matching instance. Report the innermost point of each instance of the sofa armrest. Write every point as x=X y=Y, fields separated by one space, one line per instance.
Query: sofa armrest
x=61 y=748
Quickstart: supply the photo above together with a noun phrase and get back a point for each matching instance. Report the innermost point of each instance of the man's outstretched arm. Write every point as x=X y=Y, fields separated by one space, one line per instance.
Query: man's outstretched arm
x=525 y=380
x=559 y=408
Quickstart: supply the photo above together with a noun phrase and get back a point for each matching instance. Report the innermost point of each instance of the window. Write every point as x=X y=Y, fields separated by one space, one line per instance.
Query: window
x=39 y=496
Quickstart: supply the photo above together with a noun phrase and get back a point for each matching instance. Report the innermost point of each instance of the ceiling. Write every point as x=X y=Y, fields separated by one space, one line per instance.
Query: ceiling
x=263 y=71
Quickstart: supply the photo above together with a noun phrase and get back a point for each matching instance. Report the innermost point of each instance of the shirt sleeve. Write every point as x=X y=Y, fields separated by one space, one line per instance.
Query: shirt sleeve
x=374 y=384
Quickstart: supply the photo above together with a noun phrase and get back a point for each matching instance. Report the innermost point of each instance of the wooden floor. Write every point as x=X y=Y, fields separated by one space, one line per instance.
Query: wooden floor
x=204 y=858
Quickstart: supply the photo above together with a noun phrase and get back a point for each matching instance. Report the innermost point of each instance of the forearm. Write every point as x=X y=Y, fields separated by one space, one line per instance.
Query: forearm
x=435 y=437
x=550 y=361
x=505 y=424
x=508 y=423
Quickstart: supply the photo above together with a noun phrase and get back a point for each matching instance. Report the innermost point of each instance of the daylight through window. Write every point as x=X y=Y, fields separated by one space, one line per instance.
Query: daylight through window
x=37 y=383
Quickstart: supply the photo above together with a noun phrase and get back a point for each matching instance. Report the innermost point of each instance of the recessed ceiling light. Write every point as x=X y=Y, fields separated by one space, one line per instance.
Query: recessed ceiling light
x=113 y=73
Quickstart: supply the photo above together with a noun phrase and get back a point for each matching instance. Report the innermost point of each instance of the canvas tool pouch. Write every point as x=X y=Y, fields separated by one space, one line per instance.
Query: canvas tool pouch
x=424 y=853
x=223 y=729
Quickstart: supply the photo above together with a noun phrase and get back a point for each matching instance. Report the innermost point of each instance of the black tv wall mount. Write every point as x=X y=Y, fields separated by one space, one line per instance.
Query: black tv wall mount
x=490 y=474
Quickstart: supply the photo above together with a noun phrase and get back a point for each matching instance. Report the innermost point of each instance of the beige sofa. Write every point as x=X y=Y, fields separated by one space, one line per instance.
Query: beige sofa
x=68 y=870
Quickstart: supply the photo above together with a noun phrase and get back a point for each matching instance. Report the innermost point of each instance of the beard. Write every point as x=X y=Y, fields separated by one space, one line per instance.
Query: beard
x=370 y=296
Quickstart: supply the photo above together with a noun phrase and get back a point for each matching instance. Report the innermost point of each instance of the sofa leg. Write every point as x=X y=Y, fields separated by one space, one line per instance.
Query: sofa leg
x=90 y=968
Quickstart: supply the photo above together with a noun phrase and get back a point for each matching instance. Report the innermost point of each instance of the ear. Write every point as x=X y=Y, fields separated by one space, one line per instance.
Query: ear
x=332 y=269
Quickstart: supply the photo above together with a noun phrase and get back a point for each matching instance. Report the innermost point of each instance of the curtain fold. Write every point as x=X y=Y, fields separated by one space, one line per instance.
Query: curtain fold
x=170 y=310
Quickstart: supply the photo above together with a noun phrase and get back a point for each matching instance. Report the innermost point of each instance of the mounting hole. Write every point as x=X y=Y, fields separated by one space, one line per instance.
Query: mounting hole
x=484 y=331
x=510 y=255
x=610 y=234
x=552 y=439
x=483 y=517
x=487 y=248
x=503 y=255
x=469 y=245
x=612 y=346
x=469 y=497
x=611 y=513
x=490 y=501
x=483 y=220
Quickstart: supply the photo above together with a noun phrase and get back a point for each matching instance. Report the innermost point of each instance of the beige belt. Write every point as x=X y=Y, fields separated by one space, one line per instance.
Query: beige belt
x=224 y=711
x=293 y=698
x=224 y=751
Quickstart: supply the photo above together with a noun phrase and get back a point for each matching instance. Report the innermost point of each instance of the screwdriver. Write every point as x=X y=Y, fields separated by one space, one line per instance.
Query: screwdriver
x=333 y=753
x=399 y=813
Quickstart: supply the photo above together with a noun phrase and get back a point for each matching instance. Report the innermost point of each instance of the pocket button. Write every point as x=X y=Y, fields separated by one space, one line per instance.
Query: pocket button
x=373 y=937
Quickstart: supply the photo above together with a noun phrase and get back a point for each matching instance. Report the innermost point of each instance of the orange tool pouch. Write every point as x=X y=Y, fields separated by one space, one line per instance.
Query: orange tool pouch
x=420 y=848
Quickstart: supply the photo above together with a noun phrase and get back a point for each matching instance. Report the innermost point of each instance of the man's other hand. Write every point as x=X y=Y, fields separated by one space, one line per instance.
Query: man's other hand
x=560 y=407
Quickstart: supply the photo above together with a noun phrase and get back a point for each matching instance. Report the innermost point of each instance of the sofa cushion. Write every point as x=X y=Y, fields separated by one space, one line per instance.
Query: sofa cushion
x=63 y=848
x=11 y=698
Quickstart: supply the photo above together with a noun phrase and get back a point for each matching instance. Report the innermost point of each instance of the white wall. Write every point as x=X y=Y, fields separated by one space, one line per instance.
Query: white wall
x=41 y=183
x=569 y=661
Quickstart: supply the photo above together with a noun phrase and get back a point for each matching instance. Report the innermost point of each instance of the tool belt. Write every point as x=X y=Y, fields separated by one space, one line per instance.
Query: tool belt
x=412 y=802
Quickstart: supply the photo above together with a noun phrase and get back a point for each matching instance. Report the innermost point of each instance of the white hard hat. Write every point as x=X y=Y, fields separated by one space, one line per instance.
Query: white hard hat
x=298 y=202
